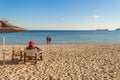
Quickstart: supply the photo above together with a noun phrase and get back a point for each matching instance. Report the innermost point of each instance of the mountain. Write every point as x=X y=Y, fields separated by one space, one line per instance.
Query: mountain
x=118 y=29
x=101 y=29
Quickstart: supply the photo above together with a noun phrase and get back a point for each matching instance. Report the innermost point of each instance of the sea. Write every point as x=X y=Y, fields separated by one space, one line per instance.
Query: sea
x=62 y=37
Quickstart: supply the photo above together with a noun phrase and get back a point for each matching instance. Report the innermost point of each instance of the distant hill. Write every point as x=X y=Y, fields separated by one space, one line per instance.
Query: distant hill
x=101 y=29
x=118 y=29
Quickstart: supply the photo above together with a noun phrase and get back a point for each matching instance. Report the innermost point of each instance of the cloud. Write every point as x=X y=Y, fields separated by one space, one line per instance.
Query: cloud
x=95 y=17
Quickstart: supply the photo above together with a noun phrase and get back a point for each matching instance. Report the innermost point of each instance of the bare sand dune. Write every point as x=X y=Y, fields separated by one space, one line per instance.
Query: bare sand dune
x=68 y=62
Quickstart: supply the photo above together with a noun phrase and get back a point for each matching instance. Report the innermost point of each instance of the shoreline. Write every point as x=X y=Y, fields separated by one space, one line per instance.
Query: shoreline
x=67 y=44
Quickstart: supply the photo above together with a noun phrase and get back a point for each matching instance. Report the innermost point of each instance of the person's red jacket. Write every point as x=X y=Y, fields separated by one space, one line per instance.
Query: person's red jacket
x=31 y=44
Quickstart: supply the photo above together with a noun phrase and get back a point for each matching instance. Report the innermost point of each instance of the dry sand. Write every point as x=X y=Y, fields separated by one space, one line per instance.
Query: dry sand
x=68 y=62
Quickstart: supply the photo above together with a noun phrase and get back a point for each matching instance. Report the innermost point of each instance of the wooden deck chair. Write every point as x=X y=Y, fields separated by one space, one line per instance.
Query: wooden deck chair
x=16 y=52
x=30 y=54
x=39 y=54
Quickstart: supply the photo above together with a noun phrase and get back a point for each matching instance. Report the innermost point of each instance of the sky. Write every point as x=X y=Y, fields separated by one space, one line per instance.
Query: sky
x=62 y=14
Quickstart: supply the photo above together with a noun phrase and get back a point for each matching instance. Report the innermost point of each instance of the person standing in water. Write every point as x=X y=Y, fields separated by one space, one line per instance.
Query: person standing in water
x=48 y=39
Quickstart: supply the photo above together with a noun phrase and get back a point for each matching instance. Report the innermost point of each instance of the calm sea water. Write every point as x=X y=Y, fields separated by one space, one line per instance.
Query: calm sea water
x=62 y=36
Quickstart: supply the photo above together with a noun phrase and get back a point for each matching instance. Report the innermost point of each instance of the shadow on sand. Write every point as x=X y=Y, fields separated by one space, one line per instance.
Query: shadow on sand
x=9 y=62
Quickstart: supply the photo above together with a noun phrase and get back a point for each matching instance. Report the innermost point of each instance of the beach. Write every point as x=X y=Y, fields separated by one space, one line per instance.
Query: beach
x=67 y=62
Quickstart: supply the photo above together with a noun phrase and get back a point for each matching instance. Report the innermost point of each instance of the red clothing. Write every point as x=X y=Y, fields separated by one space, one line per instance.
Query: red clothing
x=31 y=44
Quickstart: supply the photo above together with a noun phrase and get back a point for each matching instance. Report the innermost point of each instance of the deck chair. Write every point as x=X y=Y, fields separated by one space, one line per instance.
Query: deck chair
x=16 y=52
x=39 y=54
x=30 y=54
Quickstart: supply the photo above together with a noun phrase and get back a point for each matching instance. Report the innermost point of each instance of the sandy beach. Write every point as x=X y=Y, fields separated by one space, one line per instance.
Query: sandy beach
x=67 y=62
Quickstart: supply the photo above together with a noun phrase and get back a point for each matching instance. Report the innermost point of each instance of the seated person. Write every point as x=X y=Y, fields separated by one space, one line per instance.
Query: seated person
x=31 y=46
